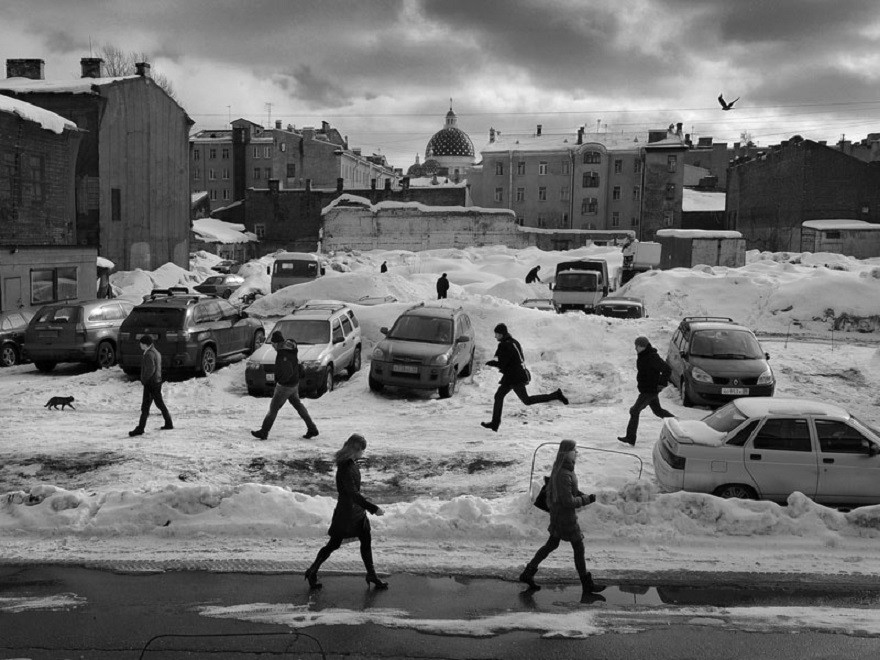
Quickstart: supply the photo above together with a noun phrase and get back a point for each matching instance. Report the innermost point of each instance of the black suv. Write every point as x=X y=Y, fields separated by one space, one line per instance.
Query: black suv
x=190 y=331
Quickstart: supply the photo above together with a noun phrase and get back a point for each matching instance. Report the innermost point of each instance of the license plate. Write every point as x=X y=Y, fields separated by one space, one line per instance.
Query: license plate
x=735 y=390
x=270 y=378
x=405 y=368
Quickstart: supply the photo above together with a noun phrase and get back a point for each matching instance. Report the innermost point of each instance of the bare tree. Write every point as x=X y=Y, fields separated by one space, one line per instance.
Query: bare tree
x=121 y=63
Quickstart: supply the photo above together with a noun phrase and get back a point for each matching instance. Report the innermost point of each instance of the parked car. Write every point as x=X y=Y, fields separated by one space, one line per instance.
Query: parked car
x=76 y=332
x=12 y=327
x=220 y=285
x=768 y=448
x=544 y=304
x=428 y=347
x=328 y=338
x=622 y=307
x=191 y=332
x=227 y=266
x=714 y=360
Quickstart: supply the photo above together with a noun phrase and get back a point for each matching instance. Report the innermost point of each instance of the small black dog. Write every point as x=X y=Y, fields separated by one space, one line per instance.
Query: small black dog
x=62 y=401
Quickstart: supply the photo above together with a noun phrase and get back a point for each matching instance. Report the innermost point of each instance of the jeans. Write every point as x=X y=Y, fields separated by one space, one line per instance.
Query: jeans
x=336 y=541
x=644 y=400
x=282 y=394
x=520 y=390
x=580 y=563
x=153 y=392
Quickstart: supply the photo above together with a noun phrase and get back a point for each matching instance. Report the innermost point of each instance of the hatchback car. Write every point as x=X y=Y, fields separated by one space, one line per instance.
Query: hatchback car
x=190 y=332
x=227 y=266
x=76 y=332
x=12 y=327
x=768 y=448
x=428 y=347
x=328 y=338
x=714 y=360
x=220 y=285
x=621 y=307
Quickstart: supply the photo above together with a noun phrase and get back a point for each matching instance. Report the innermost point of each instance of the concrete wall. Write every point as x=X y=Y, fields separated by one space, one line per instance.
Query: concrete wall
x=685 y=252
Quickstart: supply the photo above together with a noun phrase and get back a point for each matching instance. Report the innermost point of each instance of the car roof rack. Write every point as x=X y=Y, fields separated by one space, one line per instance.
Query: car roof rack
x=692 y=319
x=331 y=305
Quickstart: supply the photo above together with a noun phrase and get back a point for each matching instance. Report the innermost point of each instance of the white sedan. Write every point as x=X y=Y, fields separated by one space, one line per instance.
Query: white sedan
x=768 y=448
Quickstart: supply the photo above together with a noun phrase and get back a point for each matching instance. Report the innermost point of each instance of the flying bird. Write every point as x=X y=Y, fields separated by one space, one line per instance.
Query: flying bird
x=724 y=104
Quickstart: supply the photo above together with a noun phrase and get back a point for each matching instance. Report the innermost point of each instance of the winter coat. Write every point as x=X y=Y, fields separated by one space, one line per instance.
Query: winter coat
x=509 y=360
x=349 y=516
x=564 y=499
x=151 y=367
x=287 y=365
x=442 y=285
x=649 y=367
x=533 y=275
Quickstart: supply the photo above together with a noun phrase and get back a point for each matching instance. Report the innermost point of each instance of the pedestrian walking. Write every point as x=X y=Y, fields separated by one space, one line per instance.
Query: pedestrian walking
x=533 y=275
x=151 y=378
x=442 y=286
x=286 y=387
x=514 y=376
x=652 y=375
x=384 y=267
x=563 y=500
x=350 y=515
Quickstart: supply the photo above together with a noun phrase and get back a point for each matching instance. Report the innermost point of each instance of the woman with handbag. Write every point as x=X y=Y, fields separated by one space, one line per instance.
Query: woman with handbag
x=514 y=376
x=350 y=515
x=563 y=500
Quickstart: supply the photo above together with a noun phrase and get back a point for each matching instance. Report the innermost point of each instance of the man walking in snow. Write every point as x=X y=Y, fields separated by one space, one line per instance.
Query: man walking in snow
x=652 y=375
x=442 y=286
x=533 y=275
x=151 y=378
x=286 y=387
x=384 y=267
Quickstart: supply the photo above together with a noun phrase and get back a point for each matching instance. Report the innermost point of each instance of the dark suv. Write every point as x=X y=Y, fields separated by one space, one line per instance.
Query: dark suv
x=189 y=331
x=714 y=360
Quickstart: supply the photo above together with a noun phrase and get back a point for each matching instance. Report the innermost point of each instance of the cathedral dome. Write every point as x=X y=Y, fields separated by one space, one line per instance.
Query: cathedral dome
x=450 y=141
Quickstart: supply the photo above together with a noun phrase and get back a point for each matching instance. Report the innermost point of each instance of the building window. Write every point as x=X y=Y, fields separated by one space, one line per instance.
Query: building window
x=565 y=193
x=257 y=171
x=592 y=157
x=267 y=152
x=224 y=153
x=566 y=167
x=212 y=174
x=591 y=180
x=196 y=154
x=667 y=218
x=291 y=170
x=542 y=194
x=520 y=194
x=226 y=174
x=212 y=194
x=615 y=219
x=33 y=181
x=212 y=153
x=499 y=194
x=256 y=152
x=671 y=163
x=637 y=166
x=670 y=191
x=268 y=173
x=589 y=206
x=633 y=222
x=116 y=204
x=260 y=230
x=226 y=193
x=618 y=166
x=615 y=193
x=541 y=221
x=54 y=284
x=565 y=219
x=521 y=167
x=542 y=168
x=197 y=174
x=637 y=193
x=499 y=168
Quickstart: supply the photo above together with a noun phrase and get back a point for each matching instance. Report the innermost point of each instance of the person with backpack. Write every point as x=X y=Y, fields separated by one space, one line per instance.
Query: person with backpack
x=514 y=376
x=652 y=375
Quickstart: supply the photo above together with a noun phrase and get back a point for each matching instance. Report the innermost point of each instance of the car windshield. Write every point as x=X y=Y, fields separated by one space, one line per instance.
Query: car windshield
x=422 y=328
x=217 y=279
x=870 y=428
x=726 y=345
x=725 y=419
x=166 y=319
x=305 y=331
x=583 y=281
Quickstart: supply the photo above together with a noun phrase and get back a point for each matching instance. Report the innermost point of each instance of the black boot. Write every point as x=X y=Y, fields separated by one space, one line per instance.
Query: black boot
x=561 y=396
x=528 y=577
x=312 y=576
x=590 y=587
x=373 y=579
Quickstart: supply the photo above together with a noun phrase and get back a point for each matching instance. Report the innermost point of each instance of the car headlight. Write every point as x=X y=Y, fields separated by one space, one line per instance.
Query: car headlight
x=440 y=360
x=700 y=376
x=311 y=365
x=252 y=364
x=766 y=378
x=378 y=354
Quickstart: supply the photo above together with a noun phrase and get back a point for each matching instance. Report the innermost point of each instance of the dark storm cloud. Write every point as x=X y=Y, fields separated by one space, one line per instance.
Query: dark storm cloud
x=316 y=90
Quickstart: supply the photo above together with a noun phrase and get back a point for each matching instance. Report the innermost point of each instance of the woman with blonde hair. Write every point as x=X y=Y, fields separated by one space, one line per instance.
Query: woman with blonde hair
x=350 y=515
x=563 y=499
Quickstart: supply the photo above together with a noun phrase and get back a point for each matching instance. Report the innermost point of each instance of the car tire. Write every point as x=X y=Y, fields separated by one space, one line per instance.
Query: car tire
x=327 y=383
x=685 y=393
x=449 y=389
x=258 y=340
x=736 y=491
x=8 y=355
x=106 y=355
x=375 y=385
x=207 y=361
x=469 y=367
x=44 y=365
x=355 y=365
x=226 y=294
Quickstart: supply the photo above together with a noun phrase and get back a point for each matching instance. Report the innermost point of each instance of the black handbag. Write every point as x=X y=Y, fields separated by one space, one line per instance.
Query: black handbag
x=541 y=499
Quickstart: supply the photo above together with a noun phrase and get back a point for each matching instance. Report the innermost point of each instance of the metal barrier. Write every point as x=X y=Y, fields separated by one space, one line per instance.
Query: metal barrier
x=587 y=447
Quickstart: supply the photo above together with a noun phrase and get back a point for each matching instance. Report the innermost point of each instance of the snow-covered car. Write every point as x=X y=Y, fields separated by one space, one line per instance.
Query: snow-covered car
x=220 y=285
x=544 y=304
x=227 y=266
x=769 y=448
x=621 y=307
x=328 y=338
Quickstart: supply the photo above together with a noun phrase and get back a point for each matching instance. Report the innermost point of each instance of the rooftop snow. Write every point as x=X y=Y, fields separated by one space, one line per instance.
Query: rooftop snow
x=698 y=233
x=212 y=230
x=355 y=200
x=46 y=119
x=824 y=225
x=74 y=86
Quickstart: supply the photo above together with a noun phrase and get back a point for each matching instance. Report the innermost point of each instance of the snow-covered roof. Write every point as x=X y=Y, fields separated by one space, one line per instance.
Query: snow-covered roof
x=72 y=86
x=442 y=182
x=700 y=200
x=355 y=200
x=824 y=225
x=610 y=233
x=196 y=196
x=564 y=142
x=46 y=119
x=212 y=230
x=698 y=233
x=104 y=263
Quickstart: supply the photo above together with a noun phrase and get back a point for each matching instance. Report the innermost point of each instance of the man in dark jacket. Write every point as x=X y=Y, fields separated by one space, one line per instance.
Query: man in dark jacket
x=442 y=286
x=286 y=387
x=384 y=267
x=533 y=275
x=650 y=369
x=509 y=360
x=151 y=378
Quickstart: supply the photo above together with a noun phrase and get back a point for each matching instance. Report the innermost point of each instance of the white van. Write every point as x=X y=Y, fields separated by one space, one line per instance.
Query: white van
x=295 y=268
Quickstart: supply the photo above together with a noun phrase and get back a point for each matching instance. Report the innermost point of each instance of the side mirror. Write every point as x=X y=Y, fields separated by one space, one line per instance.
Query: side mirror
x=766 y=356
x=550 y=285
x=462 y=339
x=338 y=340
x=383 y=330
x=684 y=355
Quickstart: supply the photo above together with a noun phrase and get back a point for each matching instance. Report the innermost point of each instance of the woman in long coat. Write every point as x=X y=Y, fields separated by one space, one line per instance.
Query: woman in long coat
x=350 y=515
x=564 y=498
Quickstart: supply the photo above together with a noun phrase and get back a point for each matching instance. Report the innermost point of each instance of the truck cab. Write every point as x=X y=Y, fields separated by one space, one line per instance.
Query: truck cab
x=576 y=289
x=295 y=268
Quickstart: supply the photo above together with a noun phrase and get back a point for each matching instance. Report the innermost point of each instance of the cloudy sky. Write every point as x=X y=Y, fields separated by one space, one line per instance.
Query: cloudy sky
x=383 y=71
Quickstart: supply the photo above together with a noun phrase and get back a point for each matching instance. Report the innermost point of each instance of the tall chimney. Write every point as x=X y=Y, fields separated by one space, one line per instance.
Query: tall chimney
x=678 y=128
x=539 y=130
x=142 y=69
x=278 y=124
x=91 y=67
x=25 y=68
x=491 y=135
x=581 y=135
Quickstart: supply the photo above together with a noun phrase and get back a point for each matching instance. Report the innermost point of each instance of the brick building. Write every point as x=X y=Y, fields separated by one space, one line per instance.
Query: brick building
x=771 y=194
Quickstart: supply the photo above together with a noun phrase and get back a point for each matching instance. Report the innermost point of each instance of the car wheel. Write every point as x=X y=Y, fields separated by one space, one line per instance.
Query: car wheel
x=327 y=385
x=106 y=355
x=259 y=340
x=740 y=491
x=449 y=389
x=227 y=293
x=8 y=355
x=375 y=385
x=207 y=361
x=44 y=366
x=355 y=365
x=685 y=393
x=469 y=367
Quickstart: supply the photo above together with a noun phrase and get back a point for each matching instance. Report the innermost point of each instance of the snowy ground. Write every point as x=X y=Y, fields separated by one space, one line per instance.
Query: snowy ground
x=74 y=486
